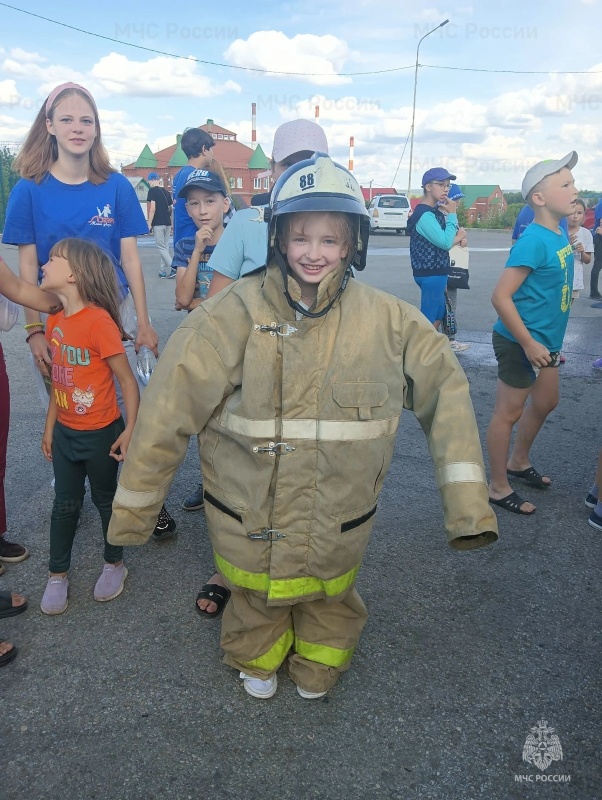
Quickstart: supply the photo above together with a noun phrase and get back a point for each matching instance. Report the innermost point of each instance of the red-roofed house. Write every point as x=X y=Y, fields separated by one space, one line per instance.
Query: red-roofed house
x=243 y=165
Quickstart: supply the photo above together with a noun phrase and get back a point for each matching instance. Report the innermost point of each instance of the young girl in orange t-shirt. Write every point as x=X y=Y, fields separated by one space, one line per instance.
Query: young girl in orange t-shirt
x=85 y=434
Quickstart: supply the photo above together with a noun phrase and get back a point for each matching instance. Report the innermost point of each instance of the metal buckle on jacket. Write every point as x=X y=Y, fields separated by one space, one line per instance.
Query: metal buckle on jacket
x=267 y=535
x=275 y=448
x=284 y=329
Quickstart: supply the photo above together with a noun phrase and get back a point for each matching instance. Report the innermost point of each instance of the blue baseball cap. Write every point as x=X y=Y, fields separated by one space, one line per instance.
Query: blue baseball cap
x=455 y=193
x=437 y=174
x=153 y=176
x=203 y=179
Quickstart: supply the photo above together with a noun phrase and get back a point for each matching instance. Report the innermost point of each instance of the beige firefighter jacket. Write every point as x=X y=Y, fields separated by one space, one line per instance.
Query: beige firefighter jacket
x=297 y=422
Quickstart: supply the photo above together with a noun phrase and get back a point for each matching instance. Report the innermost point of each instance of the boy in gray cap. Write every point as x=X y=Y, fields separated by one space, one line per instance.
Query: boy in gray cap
x=533 y=299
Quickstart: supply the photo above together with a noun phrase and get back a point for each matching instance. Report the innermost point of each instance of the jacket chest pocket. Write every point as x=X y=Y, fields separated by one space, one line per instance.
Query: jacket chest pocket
x=361 y=396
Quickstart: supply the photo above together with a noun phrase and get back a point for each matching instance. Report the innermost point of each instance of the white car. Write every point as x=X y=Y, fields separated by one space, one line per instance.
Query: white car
x=389 y=212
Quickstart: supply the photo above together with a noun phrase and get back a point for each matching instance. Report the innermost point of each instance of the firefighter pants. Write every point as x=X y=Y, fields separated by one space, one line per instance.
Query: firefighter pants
x=321 y=636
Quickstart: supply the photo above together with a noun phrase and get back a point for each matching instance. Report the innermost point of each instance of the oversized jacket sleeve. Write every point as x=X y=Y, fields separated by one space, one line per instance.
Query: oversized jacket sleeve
x=189 y=382
x=437 y=392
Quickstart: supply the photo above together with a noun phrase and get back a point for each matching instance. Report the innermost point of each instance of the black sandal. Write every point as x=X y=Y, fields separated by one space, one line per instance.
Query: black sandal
x=530 y=476
x=7 y=609
x=216 y=594
x=7 y=657
x=512 y=502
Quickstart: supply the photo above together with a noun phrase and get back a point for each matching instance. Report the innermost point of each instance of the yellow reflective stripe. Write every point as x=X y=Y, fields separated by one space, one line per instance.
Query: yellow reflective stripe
x=460 y=472
x=327 y=430
x=284 y=588
x=274 y=657
x=331 y=656
x=260 y=581
x=129 y=499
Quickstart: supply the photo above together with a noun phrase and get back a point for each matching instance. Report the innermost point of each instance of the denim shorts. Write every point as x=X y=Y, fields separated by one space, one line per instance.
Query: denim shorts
x=513 y=367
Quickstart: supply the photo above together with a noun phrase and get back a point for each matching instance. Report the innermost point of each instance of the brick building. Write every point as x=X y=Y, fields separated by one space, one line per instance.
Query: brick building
x=482 y=202
x=243 y=165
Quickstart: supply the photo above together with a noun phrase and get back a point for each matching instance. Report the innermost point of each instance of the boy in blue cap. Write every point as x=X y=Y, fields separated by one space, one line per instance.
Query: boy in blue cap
x=433 y=233
x=206 y=203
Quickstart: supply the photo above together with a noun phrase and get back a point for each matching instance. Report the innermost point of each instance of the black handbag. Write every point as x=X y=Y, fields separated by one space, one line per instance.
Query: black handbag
x=457 y=278
x=458 y=275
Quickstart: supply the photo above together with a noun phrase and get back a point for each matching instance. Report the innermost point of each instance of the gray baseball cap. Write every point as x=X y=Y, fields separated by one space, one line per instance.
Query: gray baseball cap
x=542 y=169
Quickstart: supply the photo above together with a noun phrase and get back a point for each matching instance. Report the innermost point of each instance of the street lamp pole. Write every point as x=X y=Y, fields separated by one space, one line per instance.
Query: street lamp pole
x=414 y=103
x=371 y=182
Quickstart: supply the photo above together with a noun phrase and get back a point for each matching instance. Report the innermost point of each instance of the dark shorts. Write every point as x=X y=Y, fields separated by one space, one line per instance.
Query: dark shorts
x=513 y=367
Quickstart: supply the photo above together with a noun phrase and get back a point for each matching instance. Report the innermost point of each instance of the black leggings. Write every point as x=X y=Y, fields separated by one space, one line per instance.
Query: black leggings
x=597 y=265
x=76 y=454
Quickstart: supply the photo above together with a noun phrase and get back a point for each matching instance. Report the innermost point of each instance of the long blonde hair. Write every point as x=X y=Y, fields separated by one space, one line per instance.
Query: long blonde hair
x=94 y=275
x=40 y=151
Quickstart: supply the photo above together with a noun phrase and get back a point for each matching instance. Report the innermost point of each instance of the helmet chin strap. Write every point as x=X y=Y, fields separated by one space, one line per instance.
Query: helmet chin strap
x=281 y=261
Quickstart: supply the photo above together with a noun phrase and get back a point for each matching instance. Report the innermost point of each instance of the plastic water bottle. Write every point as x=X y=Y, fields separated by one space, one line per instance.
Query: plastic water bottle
x=145 y=364
x=204 y=284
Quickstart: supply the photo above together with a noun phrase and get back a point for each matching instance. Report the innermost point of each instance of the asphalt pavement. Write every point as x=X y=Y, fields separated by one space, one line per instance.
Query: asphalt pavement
x=463 y=655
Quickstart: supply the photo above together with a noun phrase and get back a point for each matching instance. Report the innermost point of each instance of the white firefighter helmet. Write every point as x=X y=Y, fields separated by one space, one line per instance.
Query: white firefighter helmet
x=320 y=184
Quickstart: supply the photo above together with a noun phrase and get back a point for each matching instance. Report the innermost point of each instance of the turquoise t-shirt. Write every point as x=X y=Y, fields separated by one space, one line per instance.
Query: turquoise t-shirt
x=543 y=301
x=243 y=246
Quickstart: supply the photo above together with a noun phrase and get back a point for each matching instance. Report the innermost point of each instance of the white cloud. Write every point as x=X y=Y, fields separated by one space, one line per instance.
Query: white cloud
x=9 y=96
x=48 y=76
x=24 y=55
x=581 y=136
x=305 y=54
x=157 y=77
x=12 y=130
x=123 y=138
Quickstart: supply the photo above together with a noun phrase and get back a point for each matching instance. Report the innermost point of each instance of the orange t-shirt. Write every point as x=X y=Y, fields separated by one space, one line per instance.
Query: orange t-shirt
x=82 y=380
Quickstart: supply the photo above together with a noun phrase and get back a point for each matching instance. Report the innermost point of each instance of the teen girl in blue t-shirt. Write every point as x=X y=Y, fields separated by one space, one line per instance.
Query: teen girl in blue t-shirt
x=69 y=189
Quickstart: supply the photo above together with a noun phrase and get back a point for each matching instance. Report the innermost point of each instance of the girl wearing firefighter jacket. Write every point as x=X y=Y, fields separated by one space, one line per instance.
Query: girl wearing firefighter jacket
x=294 y=379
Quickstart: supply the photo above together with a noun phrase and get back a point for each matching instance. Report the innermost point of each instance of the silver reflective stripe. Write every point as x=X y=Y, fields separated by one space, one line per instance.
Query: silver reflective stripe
x=460 y=472
x=130 y=499
x=320 y=429
x=332 y=430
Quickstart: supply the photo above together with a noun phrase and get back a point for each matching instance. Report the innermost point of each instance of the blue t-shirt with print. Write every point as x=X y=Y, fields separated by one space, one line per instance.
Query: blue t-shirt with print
x=46 y=212
x=543 y=300
x=243 y=246
x=181 y=256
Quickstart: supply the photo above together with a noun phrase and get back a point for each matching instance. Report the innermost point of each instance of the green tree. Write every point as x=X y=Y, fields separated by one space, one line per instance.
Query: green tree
x=514 y=197
x=8 y=178
x=462 y=216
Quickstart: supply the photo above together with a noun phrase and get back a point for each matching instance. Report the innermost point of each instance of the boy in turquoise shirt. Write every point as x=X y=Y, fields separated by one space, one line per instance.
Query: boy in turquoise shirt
x=532 y=298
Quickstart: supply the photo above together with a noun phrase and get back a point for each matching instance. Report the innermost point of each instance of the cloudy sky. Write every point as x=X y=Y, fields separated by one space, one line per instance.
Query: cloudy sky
x=488 y=127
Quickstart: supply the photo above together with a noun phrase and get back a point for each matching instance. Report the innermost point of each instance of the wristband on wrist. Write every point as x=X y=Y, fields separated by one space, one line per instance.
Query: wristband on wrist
x=31 y=325
x=27 y=338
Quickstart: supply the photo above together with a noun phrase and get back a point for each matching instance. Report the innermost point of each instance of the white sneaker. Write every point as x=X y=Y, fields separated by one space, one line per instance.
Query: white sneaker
x=458 y=347
x=258 y=688
x=309 y=695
